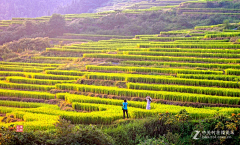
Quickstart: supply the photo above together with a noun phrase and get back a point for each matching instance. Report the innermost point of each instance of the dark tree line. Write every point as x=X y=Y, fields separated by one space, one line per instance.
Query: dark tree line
x=38 y=8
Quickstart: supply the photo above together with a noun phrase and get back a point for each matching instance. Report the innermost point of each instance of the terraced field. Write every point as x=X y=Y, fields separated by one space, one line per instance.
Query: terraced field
x=187 y=72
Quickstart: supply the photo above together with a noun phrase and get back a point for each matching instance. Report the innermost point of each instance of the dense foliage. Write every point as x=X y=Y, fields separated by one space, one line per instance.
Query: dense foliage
x=54 y=27
x=162 y=129
x=11 y=49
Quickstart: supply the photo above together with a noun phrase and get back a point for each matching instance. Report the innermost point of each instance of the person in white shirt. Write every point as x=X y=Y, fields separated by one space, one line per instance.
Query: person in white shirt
x=149 y=100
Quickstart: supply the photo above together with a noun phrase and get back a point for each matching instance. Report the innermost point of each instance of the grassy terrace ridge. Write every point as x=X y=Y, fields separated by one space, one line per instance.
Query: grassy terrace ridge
x=209 y=9
x=202 y=46
x=164 y=80
x=38 y=75
x=29 y=87
x=94 y=35
x=154 y=94
x=211 y=77
x=29 y=64
x=162 y=58
x=154 y=53
x=148 y=69
x=23 y=80
x=181 y=64
x=77 y=40
x=185 y=89
x=208 y=13
x=75 y=50
x=54 y=58
x=26 y=94
x=202 y=51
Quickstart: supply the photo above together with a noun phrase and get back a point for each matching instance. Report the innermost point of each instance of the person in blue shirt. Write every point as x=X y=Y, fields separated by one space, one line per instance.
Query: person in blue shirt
x=125 y=108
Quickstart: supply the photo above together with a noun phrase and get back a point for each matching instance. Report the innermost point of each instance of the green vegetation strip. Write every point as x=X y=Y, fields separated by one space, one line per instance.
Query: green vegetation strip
x=74 y=40
x=154 y=53
x=161 y=58
x=148 y=70
x=170 y=38
x=227 y=34
x=65 y=72
x=29 y=87
x=186 y=89
x=209 y=9
x=75 y=50
x=30 y=64
x=39 y=75
x=36 y=81
x=233 y=72
x=207 y=13
x=162 y=80
x=182 y=81
x=86 y=99
x=234 y=51
x=86 y=48
x=207 y=41
x=20 y=69
x=154 y=94
x=210 y=77
x=205 y=46
x=20 y=104
x=94 y=35
x=26 y=94
x=179 y=64
x=54 y=58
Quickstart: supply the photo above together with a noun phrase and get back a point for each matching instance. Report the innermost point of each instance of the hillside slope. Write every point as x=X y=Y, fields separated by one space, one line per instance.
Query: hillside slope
x=35 y=8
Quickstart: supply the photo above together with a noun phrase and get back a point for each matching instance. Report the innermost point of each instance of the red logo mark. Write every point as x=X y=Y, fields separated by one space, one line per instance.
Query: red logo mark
x=19 y=128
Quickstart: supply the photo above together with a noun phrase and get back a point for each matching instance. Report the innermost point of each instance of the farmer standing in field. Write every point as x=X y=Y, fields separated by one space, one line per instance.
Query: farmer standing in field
x=124 y=108
x=149 y=100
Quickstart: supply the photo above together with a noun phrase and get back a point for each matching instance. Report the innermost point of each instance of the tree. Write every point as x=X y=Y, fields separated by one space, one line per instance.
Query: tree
x=226 y=24
x=56 y=25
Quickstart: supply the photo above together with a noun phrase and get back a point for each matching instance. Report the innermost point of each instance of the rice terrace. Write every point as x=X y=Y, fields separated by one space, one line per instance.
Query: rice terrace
x=66 y=86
